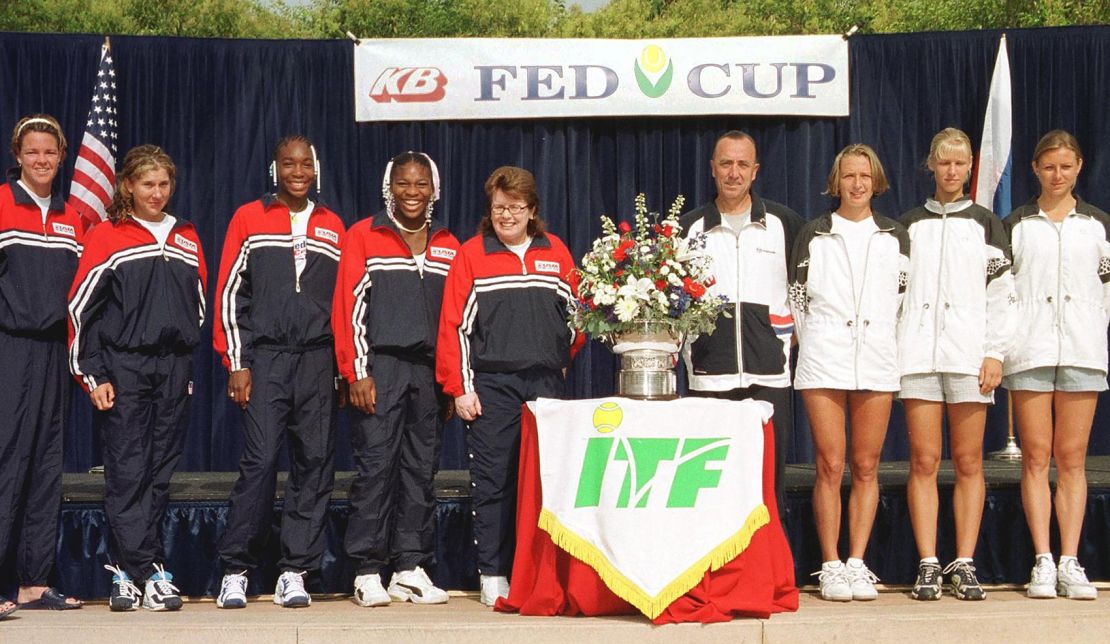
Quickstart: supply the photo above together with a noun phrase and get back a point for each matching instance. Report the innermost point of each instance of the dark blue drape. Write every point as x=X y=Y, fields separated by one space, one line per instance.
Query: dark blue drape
x=219 y=106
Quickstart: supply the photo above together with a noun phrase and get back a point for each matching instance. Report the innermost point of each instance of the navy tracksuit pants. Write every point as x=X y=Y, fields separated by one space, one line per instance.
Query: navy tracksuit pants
x=142 y=437
x=396 y=453
x=493 y=441
x=34 y=396
x=292 y=399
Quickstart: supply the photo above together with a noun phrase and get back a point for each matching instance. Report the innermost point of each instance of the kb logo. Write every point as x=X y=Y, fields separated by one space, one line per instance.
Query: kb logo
x=675 y=469
x=409 y=85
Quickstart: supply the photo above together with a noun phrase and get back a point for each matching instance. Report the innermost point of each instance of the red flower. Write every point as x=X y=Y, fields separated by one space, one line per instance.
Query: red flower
x=668 y=230
x=619 y=273
x=574 y=279
x=694 y=289
x=657 y=228
x=660 y=285
x=621 y=252
x=624 y=227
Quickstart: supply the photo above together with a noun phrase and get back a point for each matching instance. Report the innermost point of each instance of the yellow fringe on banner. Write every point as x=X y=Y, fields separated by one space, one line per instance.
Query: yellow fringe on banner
x=624 y=588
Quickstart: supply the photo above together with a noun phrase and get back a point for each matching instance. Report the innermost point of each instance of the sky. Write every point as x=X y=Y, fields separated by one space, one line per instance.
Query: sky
x=589 y=5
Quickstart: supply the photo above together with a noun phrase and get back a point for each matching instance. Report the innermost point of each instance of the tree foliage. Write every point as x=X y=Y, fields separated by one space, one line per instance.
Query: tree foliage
x=535 y=18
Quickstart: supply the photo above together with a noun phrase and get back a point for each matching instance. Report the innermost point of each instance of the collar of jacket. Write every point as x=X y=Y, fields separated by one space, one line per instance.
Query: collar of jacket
x=824 y=223
x=713 y=218
x=21 y=196
x=270 y=199
x=934 y=206
x=382 y=220
x=178 y=224
x=492 y=244
x=1031 y=209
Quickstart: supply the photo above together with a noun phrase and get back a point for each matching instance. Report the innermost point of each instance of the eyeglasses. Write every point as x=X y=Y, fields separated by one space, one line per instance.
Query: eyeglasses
x=514 y=209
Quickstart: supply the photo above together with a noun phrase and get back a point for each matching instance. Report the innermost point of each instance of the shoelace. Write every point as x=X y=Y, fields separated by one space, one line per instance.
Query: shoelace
x=862 y=573
x=832 y=575
x=127 y=588
x=235 y=582
x=1073 y=571
x=964 y=567
x=294 y=580
x=163 y=586
x=929 y=573
x=1043 y=571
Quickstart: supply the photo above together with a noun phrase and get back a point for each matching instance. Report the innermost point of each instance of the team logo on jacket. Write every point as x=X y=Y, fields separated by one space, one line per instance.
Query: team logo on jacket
x=442 y=253
x=64 y=229
x=184 y=243
x=330 y=235
x=547 y=267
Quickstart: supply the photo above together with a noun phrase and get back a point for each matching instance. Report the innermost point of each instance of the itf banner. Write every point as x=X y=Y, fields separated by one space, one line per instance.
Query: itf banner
x=651 y=494
x=502 y=78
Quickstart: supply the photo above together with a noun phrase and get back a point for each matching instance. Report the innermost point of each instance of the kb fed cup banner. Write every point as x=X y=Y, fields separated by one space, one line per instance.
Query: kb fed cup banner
x=651 y=494
x=502 y=78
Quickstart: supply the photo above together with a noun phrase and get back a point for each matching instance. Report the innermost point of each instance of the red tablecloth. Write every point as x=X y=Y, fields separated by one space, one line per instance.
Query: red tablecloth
x=546 y=580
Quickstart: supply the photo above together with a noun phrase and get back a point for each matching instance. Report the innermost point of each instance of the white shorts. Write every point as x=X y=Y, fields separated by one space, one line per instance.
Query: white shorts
x=943 y=387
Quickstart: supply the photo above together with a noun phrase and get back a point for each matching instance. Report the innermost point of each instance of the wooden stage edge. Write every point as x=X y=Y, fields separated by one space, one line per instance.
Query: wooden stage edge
x=1005 y=616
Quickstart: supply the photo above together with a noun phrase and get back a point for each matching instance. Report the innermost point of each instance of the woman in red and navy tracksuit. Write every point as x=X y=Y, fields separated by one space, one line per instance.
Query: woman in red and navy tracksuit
x=273 y=329
x=504 y=339
x=135 y=312
x=40 y=242
x=385 y=317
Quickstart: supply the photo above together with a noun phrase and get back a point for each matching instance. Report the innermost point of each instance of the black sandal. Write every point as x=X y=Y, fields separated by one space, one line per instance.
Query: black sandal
x=51 y=600
x=5 y=612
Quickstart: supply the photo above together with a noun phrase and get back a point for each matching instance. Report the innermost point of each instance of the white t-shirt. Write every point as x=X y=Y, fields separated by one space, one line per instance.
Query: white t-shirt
x=419 y=257
x=42 y=202
x=737 y=220
x=856 y=235
x=298 y=221
x=160 y=229
x=520 y=248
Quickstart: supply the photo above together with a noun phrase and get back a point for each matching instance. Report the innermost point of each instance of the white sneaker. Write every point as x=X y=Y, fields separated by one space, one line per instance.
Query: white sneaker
x=414 y=586
x=1042 y=581
x=233 y=591
x=369 y=591
x=835 y=586
x=1071 y=581
x=290 y=592
x=862 y=582
x=493 y=586
x=160 y=592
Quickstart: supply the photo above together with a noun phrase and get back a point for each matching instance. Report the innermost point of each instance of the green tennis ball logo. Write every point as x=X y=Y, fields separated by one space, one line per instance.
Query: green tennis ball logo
x=607 y=417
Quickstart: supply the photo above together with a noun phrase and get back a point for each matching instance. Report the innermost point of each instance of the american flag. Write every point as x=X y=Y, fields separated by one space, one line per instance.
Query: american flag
x=94 y=176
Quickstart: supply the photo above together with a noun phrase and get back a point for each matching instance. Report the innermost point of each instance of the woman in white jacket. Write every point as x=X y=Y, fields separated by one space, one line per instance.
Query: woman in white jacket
x=952 y=337
x=848 y=270
x=1061 y=274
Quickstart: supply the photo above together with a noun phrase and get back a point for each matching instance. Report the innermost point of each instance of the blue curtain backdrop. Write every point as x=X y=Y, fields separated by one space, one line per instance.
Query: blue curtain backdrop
x=219 y=106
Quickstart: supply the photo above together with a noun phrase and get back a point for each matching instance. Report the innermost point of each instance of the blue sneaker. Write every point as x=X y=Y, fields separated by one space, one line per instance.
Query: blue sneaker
x=161 y=594
x=125 y=594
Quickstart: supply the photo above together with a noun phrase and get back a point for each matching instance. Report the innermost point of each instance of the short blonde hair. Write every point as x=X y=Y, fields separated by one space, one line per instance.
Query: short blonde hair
x=1055 y=140
x=948 y=142
x=879 y=183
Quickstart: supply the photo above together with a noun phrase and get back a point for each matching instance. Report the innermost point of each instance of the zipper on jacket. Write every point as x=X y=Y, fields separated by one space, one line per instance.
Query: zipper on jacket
x=739 y=324
x=1058 y=305
x=940 y=281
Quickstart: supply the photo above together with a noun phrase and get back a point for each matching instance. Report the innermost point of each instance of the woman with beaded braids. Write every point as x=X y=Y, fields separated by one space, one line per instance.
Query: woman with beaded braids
x=273 y=329
x=385 y=317
x=40 y=241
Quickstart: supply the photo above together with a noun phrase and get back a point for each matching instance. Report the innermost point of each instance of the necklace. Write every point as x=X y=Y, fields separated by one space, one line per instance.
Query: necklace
x=407 y=230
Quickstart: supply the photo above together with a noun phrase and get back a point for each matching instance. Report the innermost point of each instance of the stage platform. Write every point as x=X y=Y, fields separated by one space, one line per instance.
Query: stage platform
x=1006 y=616
x=198 y=510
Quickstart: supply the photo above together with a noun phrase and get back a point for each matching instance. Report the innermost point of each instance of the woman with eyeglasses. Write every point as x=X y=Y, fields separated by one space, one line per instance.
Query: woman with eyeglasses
x=503 y=340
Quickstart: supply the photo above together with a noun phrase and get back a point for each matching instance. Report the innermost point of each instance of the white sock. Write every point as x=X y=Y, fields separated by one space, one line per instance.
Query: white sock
x=1064 y=558
x=1046 y=555
x=831 y=564
x=965 y=560
x=855 y=563
x=932 y=560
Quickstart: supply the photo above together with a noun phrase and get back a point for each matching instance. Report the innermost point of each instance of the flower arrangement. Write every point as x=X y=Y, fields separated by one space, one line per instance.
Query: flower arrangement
x=645 y=272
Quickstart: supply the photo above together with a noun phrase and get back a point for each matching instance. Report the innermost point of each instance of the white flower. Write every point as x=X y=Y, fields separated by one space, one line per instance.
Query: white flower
x=636 y=288
x=673 y=278
x=606 y=294
x=627 y=309
x=591 y=268
x=666 y=269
